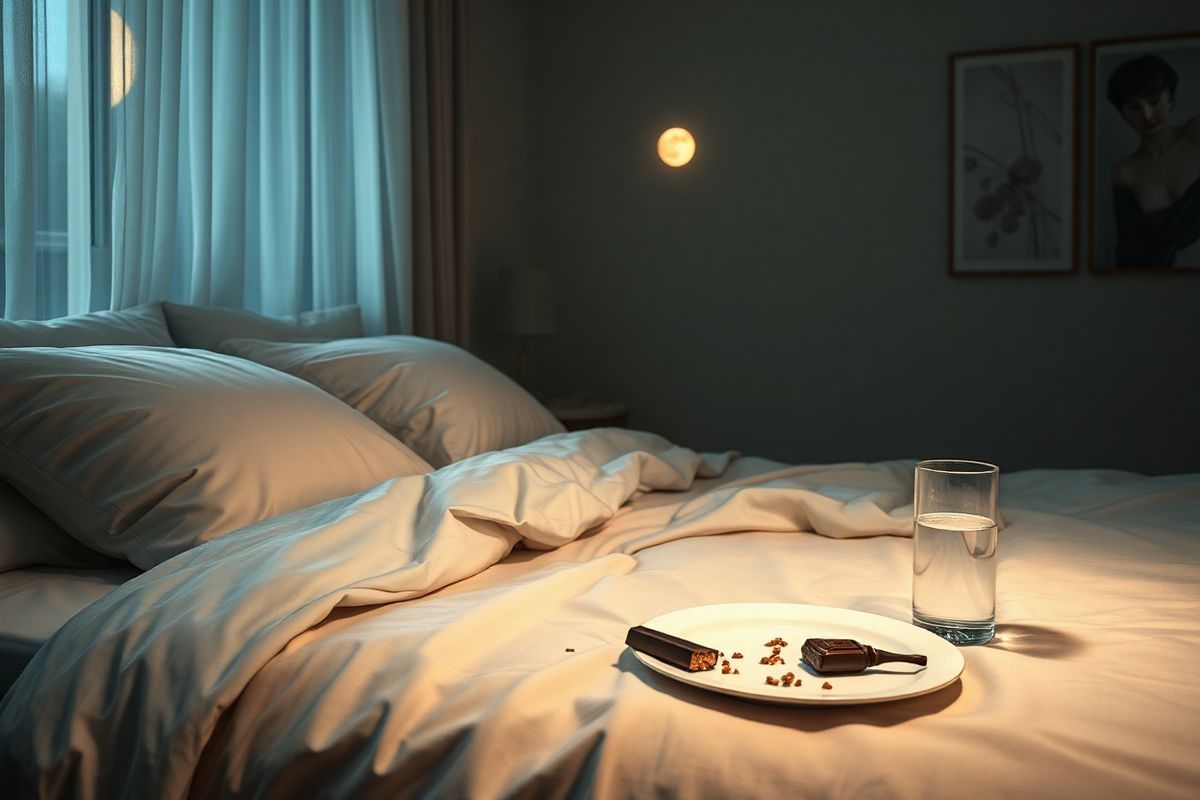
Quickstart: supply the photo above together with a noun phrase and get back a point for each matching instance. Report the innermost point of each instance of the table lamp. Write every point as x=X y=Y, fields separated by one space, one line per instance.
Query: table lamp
x=527 y=310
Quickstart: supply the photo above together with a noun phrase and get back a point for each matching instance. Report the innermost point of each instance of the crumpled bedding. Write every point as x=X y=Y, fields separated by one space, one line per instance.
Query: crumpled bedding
x=394 y=643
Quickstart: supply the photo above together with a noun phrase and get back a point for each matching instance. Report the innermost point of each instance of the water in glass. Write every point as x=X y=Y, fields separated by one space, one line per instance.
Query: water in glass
x=954 y=576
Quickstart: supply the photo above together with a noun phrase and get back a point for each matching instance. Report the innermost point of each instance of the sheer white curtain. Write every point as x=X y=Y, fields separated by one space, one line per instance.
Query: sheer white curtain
x=259 y=155
x=34 y=210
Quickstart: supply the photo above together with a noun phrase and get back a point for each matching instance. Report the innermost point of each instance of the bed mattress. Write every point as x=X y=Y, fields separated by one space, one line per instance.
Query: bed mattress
x=37 y=601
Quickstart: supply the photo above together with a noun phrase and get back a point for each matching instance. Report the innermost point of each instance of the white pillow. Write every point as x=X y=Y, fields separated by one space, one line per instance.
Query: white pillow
x=144 y=452
x=142 y=324
x=439 y=400
x=28 y=538
x=206 y=327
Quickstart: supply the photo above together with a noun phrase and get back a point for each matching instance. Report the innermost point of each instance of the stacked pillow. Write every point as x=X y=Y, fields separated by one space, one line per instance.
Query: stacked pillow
x=142 y=451
x=205 y=328
x=27 y=536
x=142 y=324
x=439 y=400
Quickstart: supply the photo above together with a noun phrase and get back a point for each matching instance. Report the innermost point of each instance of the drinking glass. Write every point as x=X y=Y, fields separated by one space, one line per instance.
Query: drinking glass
x=954 y=549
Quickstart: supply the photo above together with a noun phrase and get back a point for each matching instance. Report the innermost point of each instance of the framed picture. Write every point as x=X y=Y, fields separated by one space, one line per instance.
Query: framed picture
x=1013 y=179
x=1145 y=170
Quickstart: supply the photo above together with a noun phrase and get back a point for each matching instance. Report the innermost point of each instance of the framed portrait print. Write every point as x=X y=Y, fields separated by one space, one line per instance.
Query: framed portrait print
x=1013 y=135
x=1145 y=165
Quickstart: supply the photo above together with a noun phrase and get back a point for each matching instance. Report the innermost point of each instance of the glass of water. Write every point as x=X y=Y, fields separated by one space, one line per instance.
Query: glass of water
x=954 y=549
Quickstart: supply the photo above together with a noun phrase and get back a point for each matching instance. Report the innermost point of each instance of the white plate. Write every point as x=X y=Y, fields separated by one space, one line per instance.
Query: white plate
x=744 y=627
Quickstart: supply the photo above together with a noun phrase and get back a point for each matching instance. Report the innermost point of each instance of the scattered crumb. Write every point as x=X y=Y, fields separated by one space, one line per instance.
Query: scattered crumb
x=725 y=668
x=570 y=650
x=776 y=641
x=826 y=685
x=737 y=655
x=787 y=678
x=772 y=681
x=737 y=672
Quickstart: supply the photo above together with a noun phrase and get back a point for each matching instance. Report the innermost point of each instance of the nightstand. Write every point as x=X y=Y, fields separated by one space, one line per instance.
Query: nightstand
x=581 y=416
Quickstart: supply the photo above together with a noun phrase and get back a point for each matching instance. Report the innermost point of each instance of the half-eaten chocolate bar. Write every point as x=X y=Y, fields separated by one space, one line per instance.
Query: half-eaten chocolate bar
x=671 y=649
x=829 y=656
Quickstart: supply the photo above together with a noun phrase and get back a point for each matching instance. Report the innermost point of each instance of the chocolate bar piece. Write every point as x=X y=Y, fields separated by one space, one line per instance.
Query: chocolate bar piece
x=829 y=656
x=671 y=649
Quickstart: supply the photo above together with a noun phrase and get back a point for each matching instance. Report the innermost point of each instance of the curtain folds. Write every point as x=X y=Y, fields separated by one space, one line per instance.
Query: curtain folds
x=282 y=154
x=245 y=153
x=251 y=170
x=80 y=257
x=20 y=186
x=259 y=157
x=438 y=46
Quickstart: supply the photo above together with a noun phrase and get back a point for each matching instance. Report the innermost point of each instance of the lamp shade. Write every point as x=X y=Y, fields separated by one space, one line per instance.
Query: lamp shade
x=527 y=302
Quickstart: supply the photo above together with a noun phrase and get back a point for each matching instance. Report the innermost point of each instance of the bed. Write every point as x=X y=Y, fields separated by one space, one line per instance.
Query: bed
x=457 y=629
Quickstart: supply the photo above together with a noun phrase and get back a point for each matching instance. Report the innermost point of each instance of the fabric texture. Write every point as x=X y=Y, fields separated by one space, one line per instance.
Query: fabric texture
x=262 y=158
x=440 y=290
x=21 y=87
x=205 y=327
x=261 y=151
x=142 y=453
x=28 y=537
x=36 y=602
x=437 y=399
x=370 y=651
x=142 y=325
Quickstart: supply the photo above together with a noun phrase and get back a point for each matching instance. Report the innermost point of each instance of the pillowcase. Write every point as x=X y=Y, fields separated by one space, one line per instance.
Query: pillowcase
x=143 y=453
x=439 y=400
x=28 y=537
x=142 y=324
x=206 y=327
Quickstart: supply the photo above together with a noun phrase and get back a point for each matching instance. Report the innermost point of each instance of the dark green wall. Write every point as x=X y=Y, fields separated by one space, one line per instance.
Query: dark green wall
x=787 y=293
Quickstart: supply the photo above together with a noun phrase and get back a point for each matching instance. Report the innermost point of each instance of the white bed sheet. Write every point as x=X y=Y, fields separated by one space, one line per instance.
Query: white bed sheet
x=515 y=682
x=37 y=601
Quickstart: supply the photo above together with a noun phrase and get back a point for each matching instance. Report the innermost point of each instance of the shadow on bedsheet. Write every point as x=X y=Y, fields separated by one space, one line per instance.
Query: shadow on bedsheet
x=1035 y=641
x=801 y=718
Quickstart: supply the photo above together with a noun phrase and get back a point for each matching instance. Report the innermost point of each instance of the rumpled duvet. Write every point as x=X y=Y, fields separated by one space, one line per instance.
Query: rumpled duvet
x=461 y=634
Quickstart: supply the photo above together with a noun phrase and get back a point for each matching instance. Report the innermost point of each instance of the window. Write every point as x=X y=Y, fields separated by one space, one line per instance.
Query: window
x=49 y=130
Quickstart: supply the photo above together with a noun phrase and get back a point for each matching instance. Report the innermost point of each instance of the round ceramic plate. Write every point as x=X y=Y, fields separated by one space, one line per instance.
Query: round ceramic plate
x=746 y=627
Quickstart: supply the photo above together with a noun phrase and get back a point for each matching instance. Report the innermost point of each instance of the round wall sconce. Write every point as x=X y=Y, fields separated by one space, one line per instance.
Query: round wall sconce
x=676 y=147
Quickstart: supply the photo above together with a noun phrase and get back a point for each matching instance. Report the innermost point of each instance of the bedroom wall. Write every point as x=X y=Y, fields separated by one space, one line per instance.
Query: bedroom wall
x=499 y=133
x=787 y=294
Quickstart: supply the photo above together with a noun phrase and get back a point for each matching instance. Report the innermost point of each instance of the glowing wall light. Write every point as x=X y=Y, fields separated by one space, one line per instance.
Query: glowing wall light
x=676 y=147
x=122 y=59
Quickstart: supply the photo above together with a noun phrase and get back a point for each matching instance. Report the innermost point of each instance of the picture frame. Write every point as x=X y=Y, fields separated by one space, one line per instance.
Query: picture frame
x=1013 y=161
x=1139 y=221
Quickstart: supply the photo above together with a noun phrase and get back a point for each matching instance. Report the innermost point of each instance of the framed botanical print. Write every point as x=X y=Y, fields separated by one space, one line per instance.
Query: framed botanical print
x=1013 y=138
x=1145 y=164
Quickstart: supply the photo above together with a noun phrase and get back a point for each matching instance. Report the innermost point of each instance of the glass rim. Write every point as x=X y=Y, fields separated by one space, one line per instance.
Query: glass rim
x=928 y=466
